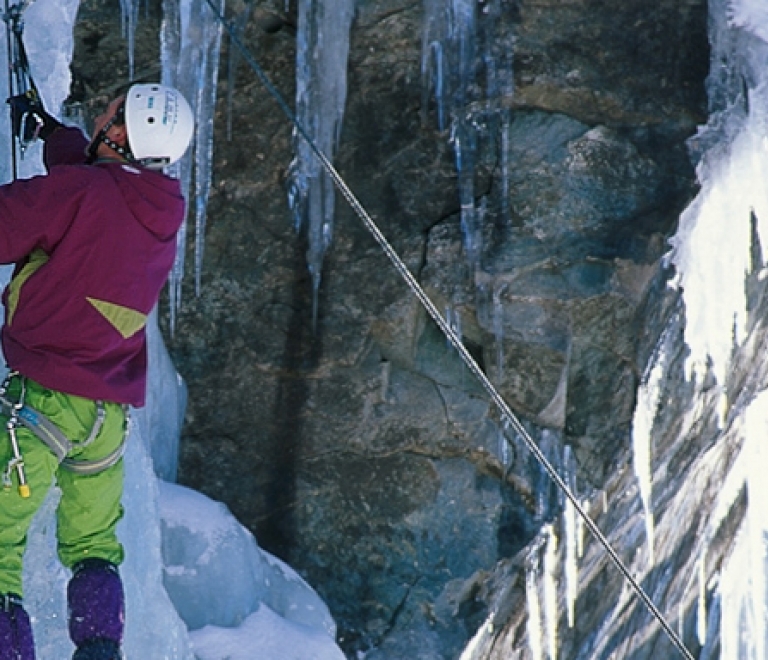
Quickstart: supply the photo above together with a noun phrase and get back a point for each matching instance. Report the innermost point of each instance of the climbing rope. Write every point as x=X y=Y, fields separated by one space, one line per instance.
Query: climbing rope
x=506 y=412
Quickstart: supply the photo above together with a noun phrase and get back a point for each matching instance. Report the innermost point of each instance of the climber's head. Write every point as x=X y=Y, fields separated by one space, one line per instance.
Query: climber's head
x=151 y=125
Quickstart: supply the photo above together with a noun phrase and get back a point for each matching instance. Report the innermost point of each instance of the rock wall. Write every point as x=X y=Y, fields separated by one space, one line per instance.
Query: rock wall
x=361 y=450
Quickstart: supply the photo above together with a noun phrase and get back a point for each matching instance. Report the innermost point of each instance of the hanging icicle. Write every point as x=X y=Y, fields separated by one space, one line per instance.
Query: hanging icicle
x=460 y=39
x=191 y=45
x=571 y=533
x=130 y=18
x=321 y=94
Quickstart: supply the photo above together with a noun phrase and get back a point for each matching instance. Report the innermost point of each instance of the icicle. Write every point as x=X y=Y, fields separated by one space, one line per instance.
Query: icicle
x=464 y=140
x=177 y=276
x=498 y=332
x=462 y=37
x=321 y=93
x=448 y=43
x=648 y=398
x=549 y=442
x=453 y=319
x=499 y=91
x=191 y=45
x=534 y=622
x=457 y=329
x=550 y=591
x=130 y=18
x=701 y=610
x=571 y=566
x=433 y=52
x=571 y=539
x=581 y=530
x=453 y=43
x=498 y=329
x=505 y=455
x=434 y=67
x=506 y=120
x=505 y=450
x=206 y=107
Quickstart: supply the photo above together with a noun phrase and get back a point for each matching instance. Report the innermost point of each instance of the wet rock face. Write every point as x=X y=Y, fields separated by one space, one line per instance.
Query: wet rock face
x=642 y=63
x=360 y=448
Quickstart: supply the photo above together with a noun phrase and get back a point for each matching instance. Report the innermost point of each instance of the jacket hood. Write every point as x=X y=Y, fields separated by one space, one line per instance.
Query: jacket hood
x=154 y=199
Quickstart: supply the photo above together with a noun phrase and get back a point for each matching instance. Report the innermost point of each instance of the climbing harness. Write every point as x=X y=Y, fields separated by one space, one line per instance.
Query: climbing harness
x=507 y=416
x=20 y=82
x=19 y=413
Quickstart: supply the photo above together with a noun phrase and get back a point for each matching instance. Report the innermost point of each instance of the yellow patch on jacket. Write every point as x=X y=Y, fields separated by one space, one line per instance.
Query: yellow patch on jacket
x=125 y=320
x=36 y=260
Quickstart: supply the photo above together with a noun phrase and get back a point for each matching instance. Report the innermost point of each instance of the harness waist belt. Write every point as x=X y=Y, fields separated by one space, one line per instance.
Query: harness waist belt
x=57 y=442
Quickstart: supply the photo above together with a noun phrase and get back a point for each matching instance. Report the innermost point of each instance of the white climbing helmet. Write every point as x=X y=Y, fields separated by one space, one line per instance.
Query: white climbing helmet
x=160 y=124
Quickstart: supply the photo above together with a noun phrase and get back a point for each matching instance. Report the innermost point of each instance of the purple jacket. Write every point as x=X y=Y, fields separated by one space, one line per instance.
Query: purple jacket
x=93 y=246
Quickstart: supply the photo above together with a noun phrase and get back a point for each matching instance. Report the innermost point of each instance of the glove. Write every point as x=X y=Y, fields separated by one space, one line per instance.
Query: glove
x=29 y=119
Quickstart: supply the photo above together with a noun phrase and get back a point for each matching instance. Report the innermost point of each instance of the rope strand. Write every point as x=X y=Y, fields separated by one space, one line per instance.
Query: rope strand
x=455 y=341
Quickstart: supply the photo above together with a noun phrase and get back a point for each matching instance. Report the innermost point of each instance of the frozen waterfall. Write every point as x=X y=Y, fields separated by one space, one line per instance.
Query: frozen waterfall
x=713 y=253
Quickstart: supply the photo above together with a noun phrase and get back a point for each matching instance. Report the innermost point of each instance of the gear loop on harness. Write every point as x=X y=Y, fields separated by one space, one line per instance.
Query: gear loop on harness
x=16 y=461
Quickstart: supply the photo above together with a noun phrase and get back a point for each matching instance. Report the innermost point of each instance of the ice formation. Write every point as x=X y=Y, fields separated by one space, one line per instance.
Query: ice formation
x=712 y=255
x=321 y=95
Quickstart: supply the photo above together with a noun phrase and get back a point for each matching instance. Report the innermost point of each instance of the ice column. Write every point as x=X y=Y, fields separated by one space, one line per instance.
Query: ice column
x=191 y=44
x=648 y=399
x=321 y=94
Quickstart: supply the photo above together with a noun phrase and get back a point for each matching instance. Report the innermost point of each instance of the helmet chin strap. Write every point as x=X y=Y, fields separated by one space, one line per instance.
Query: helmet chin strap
x=101 y=138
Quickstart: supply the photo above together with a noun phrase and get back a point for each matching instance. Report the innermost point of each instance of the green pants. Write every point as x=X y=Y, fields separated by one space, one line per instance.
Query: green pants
x=90 y=507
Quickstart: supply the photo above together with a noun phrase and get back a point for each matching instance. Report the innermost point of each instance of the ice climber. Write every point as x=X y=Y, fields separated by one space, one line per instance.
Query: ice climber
x=93 y=242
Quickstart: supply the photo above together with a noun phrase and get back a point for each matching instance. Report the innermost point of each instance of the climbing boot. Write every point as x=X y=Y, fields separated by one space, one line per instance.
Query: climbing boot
x=96 y=610
x=98 y=649
x=16 y=641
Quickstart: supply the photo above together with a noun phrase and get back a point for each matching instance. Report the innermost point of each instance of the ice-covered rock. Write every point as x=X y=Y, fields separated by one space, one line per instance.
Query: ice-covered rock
x=217 y=575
